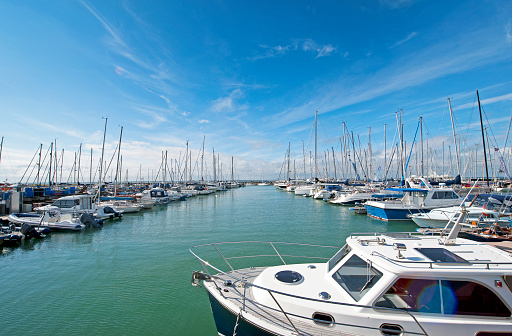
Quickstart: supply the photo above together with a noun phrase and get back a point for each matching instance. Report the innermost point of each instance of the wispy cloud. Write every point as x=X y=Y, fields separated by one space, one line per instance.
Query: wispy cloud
x=409 y=37
x=229 y=103
x=204 y=121
x=508 y=32
x=487 y=101
x=321 y=51
x=431 y=63
x=307 y=45
x=396 y=3
x=155 y=116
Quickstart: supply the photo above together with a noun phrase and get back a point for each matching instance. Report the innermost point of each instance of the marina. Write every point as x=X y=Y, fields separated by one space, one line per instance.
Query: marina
x=233 y=168
x=139 y=268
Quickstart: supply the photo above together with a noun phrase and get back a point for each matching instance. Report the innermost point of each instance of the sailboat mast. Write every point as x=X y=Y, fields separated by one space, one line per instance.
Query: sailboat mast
x=288 y=169
x=117 y=166
x=79 y=160
x=370 y=152
x=385 y=154
x=202 y=159
x=1 y=147
x=50 y=165
x=421 y=130
x=454 y=137
x=214 y=166
x=101 y=162
x=316 y=165
x=483 y=138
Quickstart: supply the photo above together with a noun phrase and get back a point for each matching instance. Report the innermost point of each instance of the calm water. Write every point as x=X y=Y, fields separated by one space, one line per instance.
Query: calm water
x=132 y=276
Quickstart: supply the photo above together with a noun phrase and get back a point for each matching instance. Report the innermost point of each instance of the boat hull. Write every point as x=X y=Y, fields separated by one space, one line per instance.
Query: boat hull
x=389 y=214
x=225 y=321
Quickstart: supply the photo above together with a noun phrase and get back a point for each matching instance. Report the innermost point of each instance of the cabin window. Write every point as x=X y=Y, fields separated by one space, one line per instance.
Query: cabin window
x=357 y=277
x=448 y=297
x=508 y=281
x=339 y=256
x=417 y=295
x=444 y=195
x=64 y=204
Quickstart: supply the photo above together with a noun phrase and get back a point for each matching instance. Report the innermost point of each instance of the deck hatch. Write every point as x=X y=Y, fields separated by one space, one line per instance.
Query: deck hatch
x=440 y=255
x=289 y=277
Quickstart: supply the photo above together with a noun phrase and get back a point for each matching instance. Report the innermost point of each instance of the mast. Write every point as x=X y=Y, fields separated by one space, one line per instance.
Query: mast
x=334 y=164
x=90 y=170
x=421 y=125
x=39 y=164
x=483 y=138
x=454 y=137
x=288 y=169
x=370 y=152
x=316 y=166
x=214 y=166
x=117 y=167
x=1 y=147
x=50 y=165
x=202 y=159
x=232 y=170
x=385 y=155
x=79 y=160
x=101 y=162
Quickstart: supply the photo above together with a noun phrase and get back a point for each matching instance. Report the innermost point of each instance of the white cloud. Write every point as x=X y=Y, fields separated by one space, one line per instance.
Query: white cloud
x=227 y=104
x=203 y=121
x=508 y=34
x=409 y=37
x=307 y=45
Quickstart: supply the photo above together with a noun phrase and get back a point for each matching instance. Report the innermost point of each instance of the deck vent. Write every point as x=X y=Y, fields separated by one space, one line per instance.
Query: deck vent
x=323 y=319
x=391 y=329
x=324 y=295
x=289 y=277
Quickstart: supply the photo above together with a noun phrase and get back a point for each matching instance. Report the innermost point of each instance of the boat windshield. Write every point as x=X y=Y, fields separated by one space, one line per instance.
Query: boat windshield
x=357 y=277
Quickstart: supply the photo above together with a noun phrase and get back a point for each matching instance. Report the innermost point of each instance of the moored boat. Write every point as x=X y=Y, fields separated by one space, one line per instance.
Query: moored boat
x=377 y=284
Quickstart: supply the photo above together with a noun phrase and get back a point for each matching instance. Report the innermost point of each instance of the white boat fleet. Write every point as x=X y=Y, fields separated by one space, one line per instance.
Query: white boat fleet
x=78 y=211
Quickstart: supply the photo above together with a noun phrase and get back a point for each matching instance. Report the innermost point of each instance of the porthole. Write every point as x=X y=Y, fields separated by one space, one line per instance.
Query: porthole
x=323 y=319
x=389 y=329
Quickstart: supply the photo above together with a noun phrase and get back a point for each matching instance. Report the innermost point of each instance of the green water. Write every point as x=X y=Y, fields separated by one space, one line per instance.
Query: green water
x=132 y=277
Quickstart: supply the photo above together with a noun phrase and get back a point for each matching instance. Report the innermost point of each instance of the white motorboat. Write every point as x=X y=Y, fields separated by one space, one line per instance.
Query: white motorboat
x=377 y=284
x=123 y=206
x=54 y=220
x=307 y=189
x=75 y=204
x=437 y=218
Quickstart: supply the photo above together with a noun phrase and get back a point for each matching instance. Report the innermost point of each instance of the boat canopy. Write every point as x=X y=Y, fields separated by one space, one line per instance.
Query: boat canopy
x=408 y=189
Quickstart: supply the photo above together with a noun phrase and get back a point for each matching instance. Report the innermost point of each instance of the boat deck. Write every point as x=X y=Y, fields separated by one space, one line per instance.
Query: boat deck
x=503 y=245
x=241 y=295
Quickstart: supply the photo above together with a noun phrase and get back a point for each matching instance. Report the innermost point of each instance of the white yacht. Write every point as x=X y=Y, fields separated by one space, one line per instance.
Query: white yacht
x=437 y=218
x=420 y=196
x=377 y=284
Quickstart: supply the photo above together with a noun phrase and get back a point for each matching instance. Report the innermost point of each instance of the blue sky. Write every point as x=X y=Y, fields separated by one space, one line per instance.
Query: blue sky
x=248 y=76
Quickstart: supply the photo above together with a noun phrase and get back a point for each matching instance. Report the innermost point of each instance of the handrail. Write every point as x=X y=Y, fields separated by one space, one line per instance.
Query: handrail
x=467 y=263
x=243 y=280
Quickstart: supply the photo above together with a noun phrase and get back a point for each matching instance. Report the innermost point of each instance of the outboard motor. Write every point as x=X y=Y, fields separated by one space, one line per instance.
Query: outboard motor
x=88 y=220
x=109 y=210
x=30 y=232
